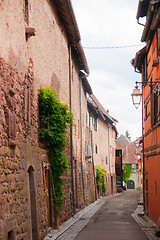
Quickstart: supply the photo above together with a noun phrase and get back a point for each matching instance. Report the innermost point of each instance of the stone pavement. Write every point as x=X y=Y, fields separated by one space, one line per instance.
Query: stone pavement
x=77 y=222
x=71 y=228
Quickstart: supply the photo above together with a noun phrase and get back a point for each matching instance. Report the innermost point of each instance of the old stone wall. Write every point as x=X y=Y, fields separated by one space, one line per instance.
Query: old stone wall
x=18 y=150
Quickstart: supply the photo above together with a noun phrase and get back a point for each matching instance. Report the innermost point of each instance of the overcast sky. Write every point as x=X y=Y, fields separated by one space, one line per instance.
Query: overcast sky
x=106 y=23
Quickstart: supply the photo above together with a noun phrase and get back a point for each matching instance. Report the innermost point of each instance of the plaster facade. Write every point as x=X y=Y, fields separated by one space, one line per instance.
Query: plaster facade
x=103 y=134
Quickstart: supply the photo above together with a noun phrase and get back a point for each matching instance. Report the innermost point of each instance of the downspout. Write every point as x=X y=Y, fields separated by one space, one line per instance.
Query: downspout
x=109 y=150
x=95 y=184
x=80 y=96
x=109 y=155
x=71 y=128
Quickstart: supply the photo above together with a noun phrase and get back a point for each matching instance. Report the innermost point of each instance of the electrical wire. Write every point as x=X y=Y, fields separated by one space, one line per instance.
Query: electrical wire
x=127 y=46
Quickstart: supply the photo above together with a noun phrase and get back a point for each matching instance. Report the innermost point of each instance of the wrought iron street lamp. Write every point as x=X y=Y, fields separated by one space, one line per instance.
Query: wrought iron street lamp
x=136 y=97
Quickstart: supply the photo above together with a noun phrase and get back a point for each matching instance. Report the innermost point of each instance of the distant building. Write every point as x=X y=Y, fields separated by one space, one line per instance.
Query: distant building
x=130 y=155
x=103 y=132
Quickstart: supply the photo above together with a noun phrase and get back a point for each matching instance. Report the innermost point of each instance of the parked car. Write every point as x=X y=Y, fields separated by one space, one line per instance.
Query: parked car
x=124 y=186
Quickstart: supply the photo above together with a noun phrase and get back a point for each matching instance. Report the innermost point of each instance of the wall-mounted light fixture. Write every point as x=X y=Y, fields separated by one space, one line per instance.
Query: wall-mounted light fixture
x=137 y=94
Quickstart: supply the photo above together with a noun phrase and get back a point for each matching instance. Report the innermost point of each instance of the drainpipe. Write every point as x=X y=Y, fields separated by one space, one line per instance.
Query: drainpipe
x=109 y=150
x=109 y=154
x=80 y=96
x=95 y=184
x=71 y=128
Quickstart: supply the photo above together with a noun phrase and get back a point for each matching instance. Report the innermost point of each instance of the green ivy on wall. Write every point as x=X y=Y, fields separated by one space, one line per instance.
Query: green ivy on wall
x=55 y=118
x=100 y=174
x=126 y=172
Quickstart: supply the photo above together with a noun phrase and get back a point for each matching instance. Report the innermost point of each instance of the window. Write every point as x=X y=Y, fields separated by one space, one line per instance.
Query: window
x=87 y=120
x=96 y=150
x=95 y=123
x=156 y=112
x=90 y=123
x=155 y=106
x=89 y=153
x=136 y=166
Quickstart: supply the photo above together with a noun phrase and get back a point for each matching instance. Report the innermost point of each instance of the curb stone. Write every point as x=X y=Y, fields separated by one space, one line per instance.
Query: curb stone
x=145 y=223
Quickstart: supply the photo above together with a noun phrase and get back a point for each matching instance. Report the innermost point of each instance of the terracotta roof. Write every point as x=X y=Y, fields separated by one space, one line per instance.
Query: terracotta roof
x=101 y=108
x=122 y=140
x=139 y=59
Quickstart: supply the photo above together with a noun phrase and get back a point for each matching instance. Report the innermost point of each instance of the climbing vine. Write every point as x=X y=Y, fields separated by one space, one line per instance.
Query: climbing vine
x=126 y=172
x=55 y=118
x=100 y=174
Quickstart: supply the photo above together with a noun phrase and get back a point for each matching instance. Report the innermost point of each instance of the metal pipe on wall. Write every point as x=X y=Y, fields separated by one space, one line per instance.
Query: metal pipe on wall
x=80 y=96
x=71 y=129
x=95 y=184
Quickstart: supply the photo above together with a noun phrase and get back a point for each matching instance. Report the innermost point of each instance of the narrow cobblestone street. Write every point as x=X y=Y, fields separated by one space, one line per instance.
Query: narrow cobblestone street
x=113 y=221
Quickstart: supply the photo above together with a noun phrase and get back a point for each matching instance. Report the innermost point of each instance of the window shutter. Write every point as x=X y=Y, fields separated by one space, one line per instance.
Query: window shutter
x=95 y=124
x=89 y=153
x=87 y=119
x=90 y=124
x=152 y=109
